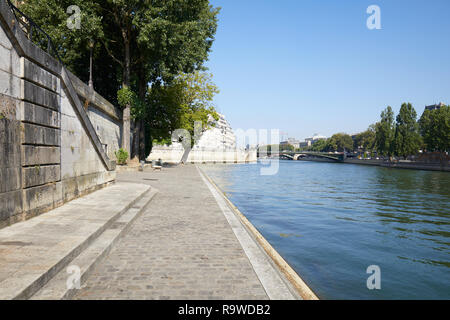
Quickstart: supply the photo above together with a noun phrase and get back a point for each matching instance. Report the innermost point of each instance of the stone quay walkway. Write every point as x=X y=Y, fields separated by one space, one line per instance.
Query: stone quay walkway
x=181 y=247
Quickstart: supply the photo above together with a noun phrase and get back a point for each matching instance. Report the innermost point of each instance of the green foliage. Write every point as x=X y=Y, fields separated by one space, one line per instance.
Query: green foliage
x=163 y=113
x=162 y=142
x=125 y=96
x=73 y=45
x=176 y=36
x=320 y=146
x=365 y=140
x=340 y=142
x=121 y=156
x=407 y=139
x=51 y=16
x=197 y=93
x=385 y=132
x=286 y=147
x=435 y=129
x=138 y=108
x=179 y=105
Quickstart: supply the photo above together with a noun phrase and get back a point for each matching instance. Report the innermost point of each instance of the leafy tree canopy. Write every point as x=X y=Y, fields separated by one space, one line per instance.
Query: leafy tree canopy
x=366 y=139
x=72 y=44
x=320 y=146
x=407 y=139
x=179 y=105
x=340 y=142
x=435 y=129
x=384 y=133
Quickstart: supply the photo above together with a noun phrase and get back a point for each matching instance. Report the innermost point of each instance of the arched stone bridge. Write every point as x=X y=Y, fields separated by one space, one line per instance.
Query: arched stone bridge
x=295 y=155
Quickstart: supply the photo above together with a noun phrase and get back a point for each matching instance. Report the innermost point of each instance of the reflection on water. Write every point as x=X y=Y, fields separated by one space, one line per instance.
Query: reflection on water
x=331 y=221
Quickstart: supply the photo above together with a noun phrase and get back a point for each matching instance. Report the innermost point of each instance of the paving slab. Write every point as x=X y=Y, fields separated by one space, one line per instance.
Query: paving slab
x=33 y=251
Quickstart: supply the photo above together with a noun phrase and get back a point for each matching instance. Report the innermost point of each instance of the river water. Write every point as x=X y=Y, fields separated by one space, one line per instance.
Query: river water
x=331 y=221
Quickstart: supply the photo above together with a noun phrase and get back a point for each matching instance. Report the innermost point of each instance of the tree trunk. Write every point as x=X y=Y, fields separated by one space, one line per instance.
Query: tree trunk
x=126 y=84
x=140 y=132
x=142 y=141
x=135 y=140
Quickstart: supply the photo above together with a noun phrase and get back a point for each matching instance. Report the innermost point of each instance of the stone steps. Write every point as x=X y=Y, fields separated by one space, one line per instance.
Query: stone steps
x=34 y=251
x=58 y=289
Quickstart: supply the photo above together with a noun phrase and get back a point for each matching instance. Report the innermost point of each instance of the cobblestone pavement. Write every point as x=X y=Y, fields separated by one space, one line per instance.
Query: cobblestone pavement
x=182 y=247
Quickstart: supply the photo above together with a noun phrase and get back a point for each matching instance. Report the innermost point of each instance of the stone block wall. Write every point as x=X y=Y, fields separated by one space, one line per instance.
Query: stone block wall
x=40 y=139
x=105 y=117
x=50 y=149
x=10 y=133
x=109 y=129
x=81 y=168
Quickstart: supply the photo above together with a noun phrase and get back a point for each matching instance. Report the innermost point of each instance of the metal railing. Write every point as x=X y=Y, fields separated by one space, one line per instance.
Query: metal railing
x=34 y=32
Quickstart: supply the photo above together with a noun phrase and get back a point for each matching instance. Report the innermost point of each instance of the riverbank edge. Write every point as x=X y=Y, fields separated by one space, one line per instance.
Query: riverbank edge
x=283 y=267
x=392 y=165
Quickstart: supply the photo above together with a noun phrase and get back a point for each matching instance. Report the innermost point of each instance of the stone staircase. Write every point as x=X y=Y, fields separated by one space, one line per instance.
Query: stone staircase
x=36 y=255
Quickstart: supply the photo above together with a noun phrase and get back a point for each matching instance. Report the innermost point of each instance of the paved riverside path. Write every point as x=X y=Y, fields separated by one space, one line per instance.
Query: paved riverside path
x=182 y=247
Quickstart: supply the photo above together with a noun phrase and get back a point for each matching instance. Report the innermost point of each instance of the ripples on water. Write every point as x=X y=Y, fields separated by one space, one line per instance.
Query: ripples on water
x=330 y=221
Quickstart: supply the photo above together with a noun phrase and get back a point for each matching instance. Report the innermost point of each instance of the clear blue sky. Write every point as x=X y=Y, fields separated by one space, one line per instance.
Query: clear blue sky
x=309 y=66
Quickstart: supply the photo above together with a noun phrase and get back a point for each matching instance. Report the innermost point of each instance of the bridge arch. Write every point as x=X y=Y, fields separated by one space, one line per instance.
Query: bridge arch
x=290 y=155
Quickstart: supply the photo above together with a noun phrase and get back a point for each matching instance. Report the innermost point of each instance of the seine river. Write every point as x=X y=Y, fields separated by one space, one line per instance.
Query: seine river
x=332 y=221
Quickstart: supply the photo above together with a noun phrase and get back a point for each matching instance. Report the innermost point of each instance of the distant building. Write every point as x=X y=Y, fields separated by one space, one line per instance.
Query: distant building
x=220 y=136
x=304 y=144
x=291 y=141
x=310 y=141
x=434 y=106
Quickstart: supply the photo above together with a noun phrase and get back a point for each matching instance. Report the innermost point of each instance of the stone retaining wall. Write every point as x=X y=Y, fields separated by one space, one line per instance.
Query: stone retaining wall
x=10 y=132
x=52 y=149
x=174 y=153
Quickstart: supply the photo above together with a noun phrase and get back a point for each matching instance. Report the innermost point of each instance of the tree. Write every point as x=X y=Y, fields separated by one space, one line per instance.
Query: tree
x=140 y=43
x=435 y=129
x=385 y=132
x=319 y=146
x=179 y=105
x=197 y=93
x=164 y=37
x=407 y=139
x=340 y=142
x=72 y=44
x=366 y=139
x=286 y=147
